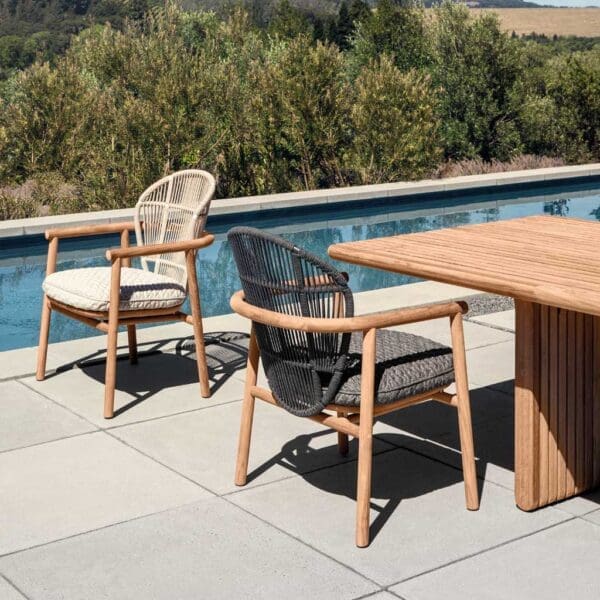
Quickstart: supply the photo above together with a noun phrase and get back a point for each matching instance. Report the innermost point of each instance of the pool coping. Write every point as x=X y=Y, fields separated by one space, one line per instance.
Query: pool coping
x=257 y=204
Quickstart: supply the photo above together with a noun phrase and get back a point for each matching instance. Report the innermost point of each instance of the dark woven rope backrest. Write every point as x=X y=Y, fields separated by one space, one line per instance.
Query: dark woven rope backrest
x=304 y=370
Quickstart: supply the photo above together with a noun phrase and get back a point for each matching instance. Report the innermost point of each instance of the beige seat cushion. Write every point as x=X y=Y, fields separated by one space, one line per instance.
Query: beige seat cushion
x=89 y=289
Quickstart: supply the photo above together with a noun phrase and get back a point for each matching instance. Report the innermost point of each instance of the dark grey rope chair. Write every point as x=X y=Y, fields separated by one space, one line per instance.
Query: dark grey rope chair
x=324 y=363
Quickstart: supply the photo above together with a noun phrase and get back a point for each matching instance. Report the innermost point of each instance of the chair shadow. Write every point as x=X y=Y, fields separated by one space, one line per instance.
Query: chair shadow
x=387 y=492
x=426 y=431
x=167 y=363
x=435 y=428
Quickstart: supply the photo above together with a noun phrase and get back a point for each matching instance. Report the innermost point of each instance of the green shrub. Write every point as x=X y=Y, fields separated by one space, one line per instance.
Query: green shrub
x=477 y=66
x=395 y=124
x=398 y=29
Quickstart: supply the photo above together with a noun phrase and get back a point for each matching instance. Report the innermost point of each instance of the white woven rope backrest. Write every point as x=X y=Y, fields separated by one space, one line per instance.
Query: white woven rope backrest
x=173 y=209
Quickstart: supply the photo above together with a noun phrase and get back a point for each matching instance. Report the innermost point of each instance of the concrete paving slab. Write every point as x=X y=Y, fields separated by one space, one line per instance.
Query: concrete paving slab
x=203 y=445
x=493 y=366
x=160 y=384
x=419 y=520
x=555 y=564
x=78 y=484
x=208 y=550
x=28 y=418
x=8 y=592
x=379 y=596
x=504 y=319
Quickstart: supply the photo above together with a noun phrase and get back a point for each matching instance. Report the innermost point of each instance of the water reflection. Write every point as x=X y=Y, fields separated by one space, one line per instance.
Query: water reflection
x=22 y=269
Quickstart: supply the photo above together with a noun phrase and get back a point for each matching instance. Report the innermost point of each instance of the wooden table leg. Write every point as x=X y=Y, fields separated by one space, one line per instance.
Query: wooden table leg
x=557 y=404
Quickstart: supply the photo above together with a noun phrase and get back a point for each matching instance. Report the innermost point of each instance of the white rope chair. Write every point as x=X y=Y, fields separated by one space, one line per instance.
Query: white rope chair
x=169 y=223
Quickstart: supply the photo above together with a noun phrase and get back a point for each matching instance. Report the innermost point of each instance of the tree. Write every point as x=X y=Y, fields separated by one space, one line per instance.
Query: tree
x=396 y=29
x=344 y=27
x=562 y=118
x=288 y=21
x=478 y=68
x=394 y=117
x=306 y=109
x=358 y=10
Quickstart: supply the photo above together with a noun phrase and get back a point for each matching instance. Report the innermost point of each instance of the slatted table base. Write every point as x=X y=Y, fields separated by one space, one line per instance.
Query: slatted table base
x=557 y=404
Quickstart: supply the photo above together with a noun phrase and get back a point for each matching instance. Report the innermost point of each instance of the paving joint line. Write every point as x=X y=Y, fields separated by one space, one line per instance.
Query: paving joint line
x=583 y=518
x=203 y=487
x=36 y=444
x=175 y=471
x=97 y=428
x=488 y=346
x=114 y=437
x=102 y=527
x=15 y=377
x=176 y=414
x=483 y=551
x=454 y=467
x=494 y=387
x=14 y=586
x=489 y=325
x=112 y=427
x=164 y=465
x=347 y=461
x=369 y=595
x=395 y=594
x=304 y=543
x=43 y=395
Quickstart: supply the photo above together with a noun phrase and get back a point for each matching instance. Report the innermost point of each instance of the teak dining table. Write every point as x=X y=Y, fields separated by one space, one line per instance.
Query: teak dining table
x=551 y=267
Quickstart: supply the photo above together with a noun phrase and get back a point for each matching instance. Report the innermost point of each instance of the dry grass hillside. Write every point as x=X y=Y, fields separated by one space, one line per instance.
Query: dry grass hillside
x=581 y=22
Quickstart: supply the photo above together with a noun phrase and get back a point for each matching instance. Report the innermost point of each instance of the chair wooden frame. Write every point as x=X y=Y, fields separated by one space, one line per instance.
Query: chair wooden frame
x=358 y=421
x=110 y=321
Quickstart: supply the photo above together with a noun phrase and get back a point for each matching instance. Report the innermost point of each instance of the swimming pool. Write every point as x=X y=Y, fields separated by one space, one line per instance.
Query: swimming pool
x=22 y=260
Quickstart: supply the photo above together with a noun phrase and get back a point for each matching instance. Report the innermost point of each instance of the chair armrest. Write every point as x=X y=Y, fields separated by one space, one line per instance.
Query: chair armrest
x=86 y=230
x=205 y=239
x=380 y=320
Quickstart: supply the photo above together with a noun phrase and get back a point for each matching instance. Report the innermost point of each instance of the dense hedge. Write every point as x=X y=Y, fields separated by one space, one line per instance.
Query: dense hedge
x=270 y=111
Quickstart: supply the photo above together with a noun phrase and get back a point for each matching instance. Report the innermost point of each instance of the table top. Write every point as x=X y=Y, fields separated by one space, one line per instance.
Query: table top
x=549 y=260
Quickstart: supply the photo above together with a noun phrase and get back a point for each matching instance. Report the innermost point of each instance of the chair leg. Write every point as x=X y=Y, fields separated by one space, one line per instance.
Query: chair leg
x=111 y=342
x=197 y=325
x=241 y=469
x=365 y=439
x=111 y=371
x=132 y=341
x=40 y=373
x=43 y=343
x=464 y=413
x=342 y=440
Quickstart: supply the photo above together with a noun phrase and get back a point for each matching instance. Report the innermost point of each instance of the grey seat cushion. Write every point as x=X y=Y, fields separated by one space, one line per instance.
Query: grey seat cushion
x=406 y=365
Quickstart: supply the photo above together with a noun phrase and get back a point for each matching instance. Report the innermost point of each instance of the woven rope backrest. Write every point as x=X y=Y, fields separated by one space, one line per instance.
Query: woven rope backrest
x=304 y=370
x=173 y=209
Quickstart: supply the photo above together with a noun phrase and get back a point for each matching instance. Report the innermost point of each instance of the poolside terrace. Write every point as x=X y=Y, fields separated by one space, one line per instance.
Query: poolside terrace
x=144 y=505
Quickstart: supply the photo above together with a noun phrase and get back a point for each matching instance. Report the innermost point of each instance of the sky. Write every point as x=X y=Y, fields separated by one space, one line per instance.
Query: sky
x=568 y=2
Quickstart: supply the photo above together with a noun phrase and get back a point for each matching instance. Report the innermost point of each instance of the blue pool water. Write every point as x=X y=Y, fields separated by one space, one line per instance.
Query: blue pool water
x=22 y=262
